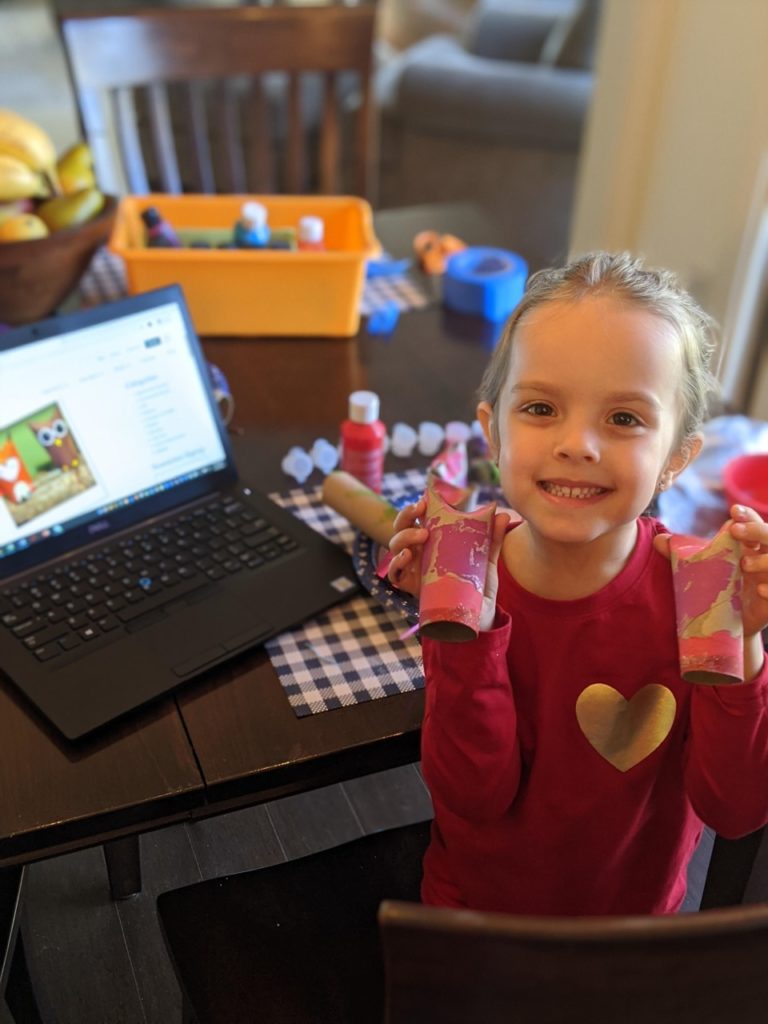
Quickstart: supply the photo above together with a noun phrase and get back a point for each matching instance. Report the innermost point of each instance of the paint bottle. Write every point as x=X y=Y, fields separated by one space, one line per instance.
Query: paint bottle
x=252 y=230
x=311 y=234
x=160 y=234
x=362 y=440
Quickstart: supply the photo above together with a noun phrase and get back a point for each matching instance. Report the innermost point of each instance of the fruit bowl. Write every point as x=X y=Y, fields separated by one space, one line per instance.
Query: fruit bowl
x=37 y=275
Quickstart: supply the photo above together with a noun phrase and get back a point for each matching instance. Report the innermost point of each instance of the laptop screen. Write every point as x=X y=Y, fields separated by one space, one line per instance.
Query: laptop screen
x=98 y=417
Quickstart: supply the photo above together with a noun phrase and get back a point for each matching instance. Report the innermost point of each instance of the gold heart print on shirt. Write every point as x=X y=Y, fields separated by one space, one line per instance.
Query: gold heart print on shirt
x=623 y=731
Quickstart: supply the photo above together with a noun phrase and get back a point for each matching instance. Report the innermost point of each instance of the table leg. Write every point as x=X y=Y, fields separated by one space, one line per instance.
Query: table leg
x=123 y=860
x=17 y=997
x=729 y=870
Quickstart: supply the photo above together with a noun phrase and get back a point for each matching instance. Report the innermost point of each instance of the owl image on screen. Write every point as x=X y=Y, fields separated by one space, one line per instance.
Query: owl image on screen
x=53 y=434
x=41 y=464
x=15 y=481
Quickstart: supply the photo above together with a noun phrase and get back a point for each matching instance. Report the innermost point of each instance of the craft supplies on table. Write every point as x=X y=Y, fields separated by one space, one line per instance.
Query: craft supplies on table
x=255 y=291
x=352 y=653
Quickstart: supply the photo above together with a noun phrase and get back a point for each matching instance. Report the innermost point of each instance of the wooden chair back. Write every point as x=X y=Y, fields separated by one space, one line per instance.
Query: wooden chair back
x=457 y=967
x=202 y=99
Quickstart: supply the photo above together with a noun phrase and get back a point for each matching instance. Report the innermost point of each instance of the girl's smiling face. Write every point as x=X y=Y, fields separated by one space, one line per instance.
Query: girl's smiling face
x=587 y=422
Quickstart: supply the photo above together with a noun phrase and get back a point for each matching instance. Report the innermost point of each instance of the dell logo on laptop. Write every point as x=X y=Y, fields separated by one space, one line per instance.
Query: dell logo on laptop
x=102 y=524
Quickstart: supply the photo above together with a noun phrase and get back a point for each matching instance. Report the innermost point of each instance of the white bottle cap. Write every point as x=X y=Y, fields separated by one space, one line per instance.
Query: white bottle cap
x=363 y=406
x=403 y=440
x=456 y=431
x=430 y=437
x=311 y=229
x=255 y=214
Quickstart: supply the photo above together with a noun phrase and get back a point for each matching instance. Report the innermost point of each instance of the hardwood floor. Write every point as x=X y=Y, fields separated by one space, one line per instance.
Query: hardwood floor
x=94 y=961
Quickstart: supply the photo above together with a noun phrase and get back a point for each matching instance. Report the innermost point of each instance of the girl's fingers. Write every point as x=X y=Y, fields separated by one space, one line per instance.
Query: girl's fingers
x=500 y=524
x=398 y=565
x=661 y=544
x=748 y=528
x=408 y=538
x=410 y=514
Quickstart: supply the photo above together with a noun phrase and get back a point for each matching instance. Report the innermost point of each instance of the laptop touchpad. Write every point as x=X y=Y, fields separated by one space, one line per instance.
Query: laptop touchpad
x=192 y=636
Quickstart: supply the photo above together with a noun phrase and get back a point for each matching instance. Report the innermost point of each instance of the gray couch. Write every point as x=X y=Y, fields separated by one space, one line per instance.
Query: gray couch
x=495 y=117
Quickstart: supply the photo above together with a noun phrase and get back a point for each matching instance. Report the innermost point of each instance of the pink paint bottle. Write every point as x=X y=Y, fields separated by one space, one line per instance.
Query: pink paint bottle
x=362 y=440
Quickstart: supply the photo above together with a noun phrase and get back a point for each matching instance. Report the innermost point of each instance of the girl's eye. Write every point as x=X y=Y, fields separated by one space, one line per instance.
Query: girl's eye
x=625 y=419
x=539 y=409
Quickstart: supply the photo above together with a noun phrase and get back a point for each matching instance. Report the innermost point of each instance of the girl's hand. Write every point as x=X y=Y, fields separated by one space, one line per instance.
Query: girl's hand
x=488 y=614
x=752 y=534
x=406 y=545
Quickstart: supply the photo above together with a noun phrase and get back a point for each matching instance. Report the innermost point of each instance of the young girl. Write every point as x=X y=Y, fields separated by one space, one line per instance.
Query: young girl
x=570 y=766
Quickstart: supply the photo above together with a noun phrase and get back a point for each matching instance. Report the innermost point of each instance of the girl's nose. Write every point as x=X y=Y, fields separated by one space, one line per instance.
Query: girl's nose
x=578 y=443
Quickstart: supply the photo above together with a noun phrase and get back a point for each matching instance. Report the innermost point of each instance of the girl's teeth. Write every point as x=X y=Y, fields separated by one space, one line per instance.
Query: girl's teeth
x=573 y=492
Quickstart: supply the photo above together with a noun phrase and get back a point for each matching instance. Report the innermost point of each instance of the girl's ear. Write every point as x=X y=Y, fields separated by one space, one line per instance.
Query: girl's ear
x=485 y=416
x=680 y=458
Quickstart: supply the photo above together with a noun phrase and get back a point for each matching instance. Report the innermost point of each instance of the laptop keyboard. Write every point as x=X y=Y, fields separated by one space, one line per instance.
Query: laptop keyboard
x=85 y=600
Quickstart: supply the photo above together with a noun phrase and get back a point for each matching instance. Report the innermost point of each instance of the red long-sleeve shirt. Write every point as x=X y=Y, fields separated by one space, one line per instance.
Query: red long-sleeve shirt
x=545 y=808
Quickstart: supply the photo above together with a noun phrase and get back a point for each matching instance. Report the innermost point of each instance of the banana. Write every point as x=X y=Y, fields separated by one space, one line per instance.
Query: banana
x=26 y=141
x=19 y=181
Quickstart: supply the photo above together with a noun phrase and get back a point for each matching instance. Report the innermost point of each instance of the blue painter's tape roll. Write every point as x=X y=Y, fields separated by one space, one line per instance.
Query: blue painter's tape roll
x=486 y=282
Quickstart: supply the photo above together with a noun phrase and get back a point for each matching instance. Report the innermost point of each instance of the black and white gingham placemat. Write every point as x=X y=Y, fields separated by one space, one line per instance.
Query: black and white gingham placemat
x=104 y=280
x=352 y=653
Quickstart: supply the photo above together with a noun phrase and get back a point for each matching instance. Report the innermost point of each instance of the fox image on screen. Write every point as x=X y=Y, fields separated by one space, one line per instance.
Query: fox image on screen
x=41 y=464
x=15 y=481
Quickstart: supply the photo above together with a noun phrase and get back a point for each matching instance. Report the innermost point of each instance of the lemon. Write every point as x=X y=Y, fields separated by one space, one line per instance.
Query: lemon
x=22 y=228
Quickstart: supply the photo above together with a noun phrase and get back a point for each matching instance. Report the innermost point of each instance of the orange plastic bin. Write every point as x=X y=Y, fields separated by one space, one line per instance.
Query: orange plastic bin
x=264 y=292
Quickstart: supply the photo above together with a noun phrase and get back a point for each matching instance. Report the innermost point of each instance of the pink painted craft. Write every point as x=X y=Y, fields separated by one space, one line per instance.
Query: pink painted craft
x=707 y=583
x=454 y=563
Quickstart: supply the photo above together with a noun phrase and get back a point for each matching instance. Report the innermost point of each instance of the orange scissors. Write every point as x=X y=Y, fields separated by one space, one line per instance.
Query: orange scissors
x=433 y=250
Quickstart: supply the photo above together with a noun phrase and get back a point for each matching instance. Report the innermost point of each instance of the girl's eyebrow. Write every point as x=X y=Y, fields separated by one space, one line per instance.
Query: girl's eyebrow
x=646 y=397
x=532 y=385
x=619 y=397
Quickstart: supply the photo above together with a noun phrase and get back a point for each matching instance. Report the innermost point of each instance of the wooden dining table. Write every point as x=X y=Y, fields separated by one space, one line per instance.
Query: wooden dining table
x=231 y=738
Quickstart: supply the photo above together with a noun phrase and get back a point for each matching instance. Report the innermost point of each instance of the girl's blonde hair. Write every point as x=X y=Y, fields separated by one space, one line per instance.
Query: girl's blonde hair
x=622 y=275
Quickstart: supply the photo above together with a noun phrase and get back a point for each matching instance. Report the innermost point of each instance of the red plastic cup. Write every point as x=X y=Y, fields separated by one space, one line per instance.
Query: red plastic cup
x=745 y=480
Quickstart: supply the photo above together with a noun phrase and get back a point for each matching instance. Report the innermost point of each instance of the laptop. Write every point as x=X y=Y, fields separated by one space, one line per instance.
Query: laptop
x=132 y=557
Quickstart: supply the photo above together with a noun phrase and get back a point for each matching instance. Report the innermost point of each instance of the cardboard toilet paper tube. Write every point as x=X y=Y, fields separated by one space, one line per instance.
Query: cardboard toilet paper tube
x=366 y=510
x=707 y=584
x=454 y=564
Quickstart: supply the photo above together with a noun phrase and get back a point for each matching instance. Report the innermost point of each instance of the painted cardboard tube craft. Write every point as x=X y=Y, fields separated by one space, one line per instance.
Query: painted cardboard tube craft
x=454 y=565
x=366 y=510
x=707 y=584
x=448 y=474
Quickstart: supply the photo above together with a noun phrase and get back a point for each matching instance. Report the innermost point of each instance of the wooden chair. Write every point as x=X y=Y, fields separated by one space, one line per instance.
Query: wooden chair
x=199 y=100
x=459 y=967
x=294 y=943
x=299 y=942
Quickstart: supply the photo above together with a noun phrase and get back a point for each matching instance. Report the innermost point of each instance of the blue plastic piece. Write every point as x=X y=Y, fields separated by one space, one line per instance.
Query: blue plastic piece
x=385 y=266
x=383 y=319
x=483 y=281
